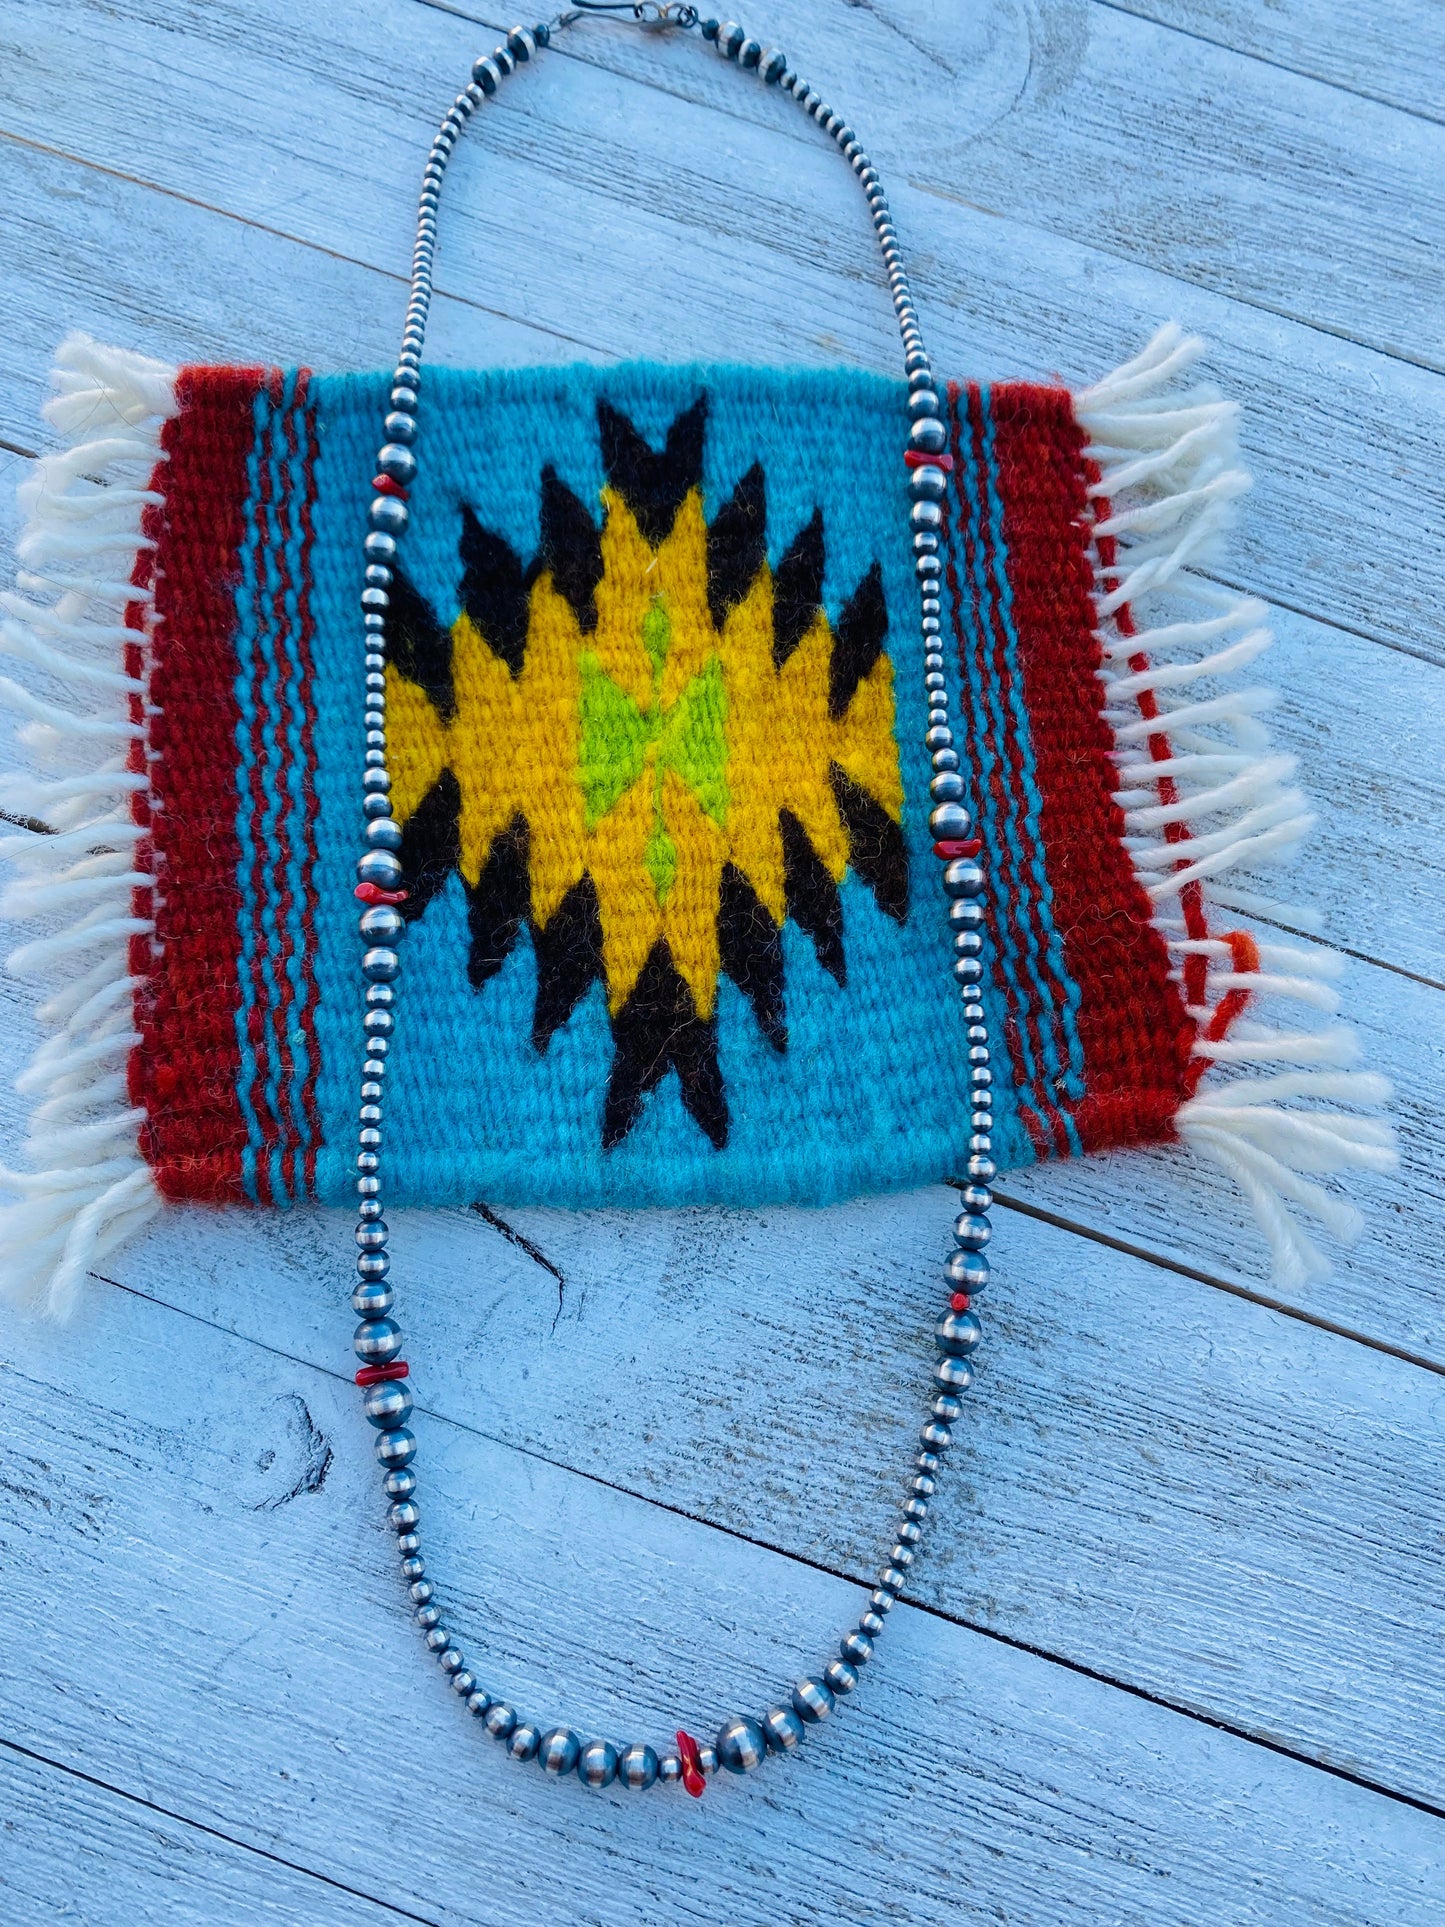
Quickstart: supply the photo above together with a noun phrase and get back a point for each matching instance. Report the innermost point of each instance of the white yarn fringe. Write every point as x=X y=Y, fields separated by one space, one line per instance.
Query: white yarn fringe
x=1168 y=457
x=89 y=1187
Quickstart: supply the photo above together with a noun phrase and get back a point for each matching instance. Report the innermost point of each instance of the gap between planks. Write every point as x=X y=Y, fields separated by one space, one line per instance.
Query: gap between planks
x=211 y=1833
x=1011 y=1641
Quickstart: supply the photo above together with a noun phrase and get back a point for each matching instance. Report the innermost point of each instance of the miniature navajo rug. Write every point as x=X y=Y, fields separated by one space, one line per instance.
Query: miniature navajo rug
x=657 y=733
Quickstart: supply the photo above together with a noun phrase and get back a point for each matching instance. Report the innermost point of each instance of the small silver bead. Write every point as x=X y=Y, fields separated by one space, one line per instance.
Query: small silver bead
x=636 y=1767
x=871 y=1624
x=947 y=1409
x=499 y=1719
x=982 y=1169
x=926 y=515
x=372 y=1300
x=923 y=404
x=937 y=1438
x=381 y=965
x=400 y=1484
x=893 y=1580
x=420 y=1594
x=376 y=1341
x=397 y=461
x=880 y=1601
x=478 y=1700
x=523 y=1741
x=381 y=923
x=962 y=877
x=915 y=1508
x=707 y=1761
x=395 y=1448
x=403 y=1516
x=389 y=514
x=438 y=1640
x=909 y=1533
x=399 y=427
x=953 y=1375
x=857 y=1649
x=945 y=787
x=967 y=1271
x=669 y=1769
x=841 y=1677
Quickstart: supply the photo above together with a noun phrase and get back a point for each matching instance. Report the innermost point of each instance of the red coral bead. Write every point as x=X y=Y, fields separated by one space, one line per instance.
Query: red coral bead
x=378 y=1374
x=959 y=1301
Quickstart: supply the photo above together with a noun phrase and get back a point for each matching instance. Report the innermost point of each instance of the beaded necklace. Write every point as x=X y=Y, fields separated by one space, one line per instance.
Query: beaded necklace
x=742 y=1742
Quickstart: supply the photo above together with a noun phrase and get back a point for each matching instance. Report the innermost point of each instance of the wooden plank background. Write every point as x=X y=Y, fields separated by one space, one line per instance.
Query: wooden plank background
x=1175 y=1654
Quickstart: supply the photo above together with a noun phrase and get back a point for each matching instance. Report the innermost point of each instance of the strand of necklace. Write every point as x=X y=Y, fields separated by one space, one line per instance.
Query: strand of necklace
x=743 y=1742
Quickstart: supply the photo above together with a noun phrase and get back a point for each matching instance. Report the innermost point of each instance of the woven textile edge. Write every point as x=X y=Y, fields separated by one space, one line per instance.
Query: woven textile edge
x=1207 y=801
x=79 y=625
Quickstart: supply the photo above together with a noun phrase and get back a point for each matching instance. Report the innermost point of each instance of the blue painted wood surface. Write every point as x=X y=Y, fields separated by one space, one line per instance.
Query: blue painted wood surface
x=1175 y=1657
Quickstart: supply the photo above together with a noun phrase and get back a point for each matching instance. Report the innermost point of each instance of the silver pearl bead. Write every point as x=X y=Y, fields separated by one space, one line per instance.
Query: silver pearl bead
x=403 y=1516
x=881 y=1602
x=891 y=1579
x=915 y=1508
x=597 y=1763
x=499 y=1719
x=389 y=514
x=928 y=1462
x=962 y=877
x=419 y=1592
x=971 y=1231
x=397 y=462
x=947 y=1409
x=937 y=1438
x=857 y=1648
x=741 y=1746
x=812 y=1700
x=923 y=1485
x=478 y=1701
x=984 y=1170
x=927 y=484
x=380 y=965
x=966 y=913
x=967 y=1270
x=707 y=1761
x=462 y=1683
x=379 y=546
x=953 y=1375
x=636 y=1767
x=395 y=1448
x=946 y=786
x=949 y=819
x=944 y=757
x=926 y=567
x=383 y=833
x=871 y=1624
x=399 y=427
x=559 y=1751
x=438 y=1639
x=841 y=1677
x=373 y=1300
x=381 y=923
x=451 y=1661
x=399 y=1484
x=927 y=434
x=923 y=515
x=387 y=1405
x=669 y=1769
x=376 y=782
x=379 y=867
x=376 y=1341
x=909 y=1533
x=782 y=1729
x=523 y=1741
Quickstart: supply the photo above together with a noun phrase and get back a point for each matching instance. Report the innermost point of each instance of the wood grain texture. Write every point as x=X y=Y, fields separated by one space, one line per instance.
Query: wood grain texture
x=1344 y=439
x=165 y=1871
x=251 y=1662
x=1392 y=50
x=1176 y=1652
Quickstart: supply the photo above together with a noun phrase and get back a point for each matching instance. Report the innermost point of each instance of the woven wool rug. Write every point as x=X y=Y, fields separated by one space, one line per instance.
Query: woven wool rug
x=663 y=786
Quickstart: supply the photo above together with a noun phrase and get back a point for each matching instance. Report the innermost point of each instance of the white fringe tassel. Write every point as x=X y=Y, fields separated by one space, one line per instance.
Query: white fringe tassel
x=1168 y=458
x=89 y=1187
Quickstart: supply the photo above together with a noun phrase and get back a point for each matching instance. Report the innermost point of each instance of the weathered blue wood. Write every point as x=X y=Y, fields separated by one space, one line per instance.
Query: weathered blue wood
x=211 y=1621
x=655 y=1499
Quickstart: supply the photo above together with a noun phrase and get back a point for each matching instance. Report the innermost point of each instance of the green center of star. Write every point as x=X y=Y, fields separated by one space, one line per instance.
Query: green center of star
x=624 y=741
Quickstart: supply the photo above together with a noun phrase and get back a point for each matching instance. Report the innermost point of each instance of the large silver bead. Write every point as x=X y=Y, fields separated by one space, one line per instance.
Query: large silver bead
x=597 y=1763
x=387 y=1405
x=948 y=820
x=957 y=1333
x=928 y=435
x=384 y=833
x=967 y=1271
x=782 y=1729
x=812 y=1700
x=636 y=1767
x=857 y=1648
x=373 y=1299
x=972 y=1230
x=946 y=787
x=380 y=867
x=376 y=1341
x=928 y=484
x=981 y=1170
x=390 y=514
x=741 y=1746
x=559 y=1751
x=397 y=462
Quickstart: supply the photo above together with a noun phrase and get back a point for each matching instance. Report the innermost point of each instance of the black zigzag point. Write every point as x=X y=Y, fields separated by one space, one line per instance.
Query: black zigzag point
x=497 y=903
x=812 y=896
x=750 y=947
x=798 y=589
x=876 y=848
x=658 y=1030
x=737 y=545
x=857 y=641
x=494 y=591
x=418 y=646
x=571 y=548
x=569 y=959
x=653 y=483
x=431 y=844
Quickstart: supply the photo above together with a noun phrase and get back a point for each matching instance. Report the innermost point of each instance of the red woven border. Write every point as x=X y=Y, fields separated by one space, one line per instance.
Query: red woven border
x=1135 y=1032
x=185 y=1070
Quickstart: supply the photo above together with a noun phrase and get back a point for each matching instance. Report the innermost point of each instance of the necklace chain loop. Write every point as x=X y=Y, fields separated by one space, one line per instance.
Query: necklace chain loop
x=742 y=1743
